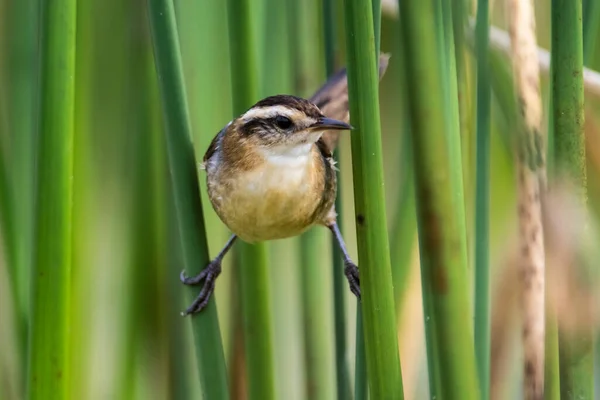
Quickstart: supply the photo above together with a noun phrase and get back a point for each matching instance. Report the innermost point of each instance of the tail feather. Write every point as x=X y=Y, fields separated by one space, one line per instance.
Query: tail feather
x=332 y=99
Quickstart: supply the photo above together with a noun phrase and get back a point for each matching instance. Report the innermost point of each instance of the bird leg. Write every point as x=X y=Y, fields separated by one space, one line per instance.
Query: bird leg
x=350 y=269
x=209 y=275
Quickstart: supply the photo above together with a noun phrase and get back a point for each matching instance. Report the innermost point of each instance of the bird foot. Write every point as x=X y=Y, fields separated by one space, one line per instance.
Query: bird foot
x=351 y=271
x=209 y=275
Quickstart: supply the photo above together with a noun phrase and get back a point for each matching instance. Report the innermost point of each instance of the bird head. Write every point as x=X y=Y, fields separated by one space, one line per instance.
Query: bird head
x=283 y=123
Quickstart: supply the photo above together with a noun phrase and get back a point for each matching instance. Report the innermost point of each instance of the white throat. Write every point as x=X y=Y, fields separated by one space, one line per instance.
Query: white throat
x=288 y=156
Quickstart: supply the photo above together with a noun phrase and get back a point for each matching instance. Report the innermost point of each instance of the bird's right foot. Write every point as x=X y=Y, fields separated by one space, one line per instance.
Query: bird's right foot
x=209 y=276
x=351 y=272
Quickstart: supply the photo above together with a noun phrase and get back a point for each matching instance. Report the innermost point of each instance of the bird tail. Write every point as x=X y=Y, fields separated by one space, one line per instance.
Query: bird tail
x=332 y=99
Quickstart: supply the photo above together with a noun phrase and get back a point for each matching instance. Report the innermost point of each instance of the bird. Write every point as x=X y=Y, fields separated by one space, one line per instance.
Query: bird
x=270 y=174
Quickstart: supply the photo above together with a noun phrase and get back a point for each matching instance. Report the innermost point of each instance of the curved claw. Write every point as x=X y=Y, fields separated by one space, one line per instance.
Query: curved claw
x=194 y=280
x=352 y=274
x=209 y=276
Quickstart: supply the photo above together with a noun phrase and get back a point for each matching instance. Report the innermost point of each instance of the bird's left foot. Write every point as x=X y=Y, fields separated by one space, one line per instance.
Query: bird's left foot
x=351 y=271
x=209 y=276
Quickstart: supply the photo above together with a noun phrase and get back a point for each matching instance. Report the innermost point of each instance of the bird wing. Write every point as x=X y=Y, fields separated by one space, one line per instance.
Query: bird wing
x=332 y=100
x=214 y=145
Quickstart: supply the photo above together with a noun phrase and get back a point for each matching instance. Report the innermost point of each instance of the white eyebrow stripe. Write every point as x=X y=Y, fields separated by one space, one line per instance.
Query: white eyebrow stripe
x=271 y=111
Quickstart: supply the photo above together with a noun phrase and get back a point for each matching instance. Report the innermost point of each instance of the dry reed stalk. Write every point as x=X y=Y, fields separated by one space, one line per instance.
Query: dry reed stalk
x=531 y=187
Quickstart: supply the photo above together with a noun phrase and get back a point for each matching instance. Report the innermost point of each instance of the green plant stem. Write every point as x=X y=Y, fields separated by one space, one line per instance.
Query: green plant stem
x=256 y=305
x=551 y=349
x=8 y=245
x=190 y=219
x=22 y=21
x=48 y=372
x=551 y=360
x=441 y=237
x=591 y=30
x=337 y=264
x=329 y=30
x=381 y=343
x=404 y=225
x=446 y=41
x=482 y=268
x=319 y=360
x=205 y=62
x=85 y=127
x=317 y=318
x=361 y=389
x=467 y=109
x=180 y=374
x=360 y=372
x=576 y=353
x=376 y=7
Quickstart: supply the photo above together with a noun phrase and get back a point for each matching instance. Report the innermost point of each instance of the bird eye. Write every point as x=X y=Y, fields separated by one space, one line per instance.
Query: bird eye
x=283 y=122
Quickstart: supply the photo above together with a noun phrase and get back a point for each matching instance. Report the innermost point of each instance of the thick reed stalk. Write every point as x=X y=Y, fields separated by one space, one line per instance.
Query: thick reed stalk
x=404 y=224
x=381 y=345
x=254 y=276
x=337 y=264
x=482 y=194
x=188 y=205
x=441 y=235
x=83 y=191
x=576 y=353
x=446 y=41
x=48 y=374
x=361 y=385
x=531 y=175
x=22 y=24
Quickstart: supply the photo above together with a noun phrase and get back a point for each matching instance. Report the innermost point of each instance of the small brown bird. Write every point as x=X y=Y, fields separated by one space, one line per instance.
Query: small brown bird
x=271 y=174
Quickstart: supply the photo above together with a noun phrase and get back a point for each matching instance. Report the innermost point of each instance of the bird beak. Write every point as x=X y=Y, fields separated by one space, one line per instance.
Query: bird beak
x=330 y=123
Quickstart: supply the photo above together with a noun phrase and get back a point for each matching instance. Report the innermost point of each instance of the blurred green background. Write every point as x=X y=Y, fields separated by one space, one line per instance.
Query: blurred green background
x=127 y=337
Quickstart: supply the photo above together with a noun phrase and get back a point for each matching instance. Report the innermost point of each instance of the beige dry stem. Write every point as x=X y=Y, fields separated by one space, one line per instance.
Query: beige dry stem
x=531 y=182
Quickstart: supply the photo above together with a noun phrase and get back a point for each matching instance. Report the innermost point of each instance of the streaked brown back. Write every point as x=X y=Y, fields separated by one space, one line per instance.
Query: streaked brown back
x=332 y=99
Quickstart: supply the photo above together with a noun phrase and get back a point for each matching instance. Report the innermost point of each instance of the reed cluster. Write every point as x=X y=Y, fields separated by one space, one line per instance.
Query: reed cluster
x=468 y=194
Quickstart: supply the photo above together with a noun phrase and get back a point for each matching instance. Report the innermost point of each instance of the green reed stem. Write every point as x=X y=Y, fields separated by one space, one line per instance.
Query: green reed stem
x=441 y=236
x=591 y=30
x=361 y=388
x=317 y=318
x=452 y=111
x=376 y=7
x=404 y=224
x=551 y=360
x=48 y=372
x=22 y=23
x=551 y=348
x=329 y=33
x=339 y=281
x=576 y=353
x=190 y=219
x=256 y=298
x=317 y=311
x=381 y=343
x=482 y=172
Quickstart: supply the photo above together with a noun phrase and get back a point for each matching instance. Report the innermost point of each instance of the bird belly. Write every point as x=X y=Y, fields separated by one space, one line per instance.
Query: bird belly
x=267 y=203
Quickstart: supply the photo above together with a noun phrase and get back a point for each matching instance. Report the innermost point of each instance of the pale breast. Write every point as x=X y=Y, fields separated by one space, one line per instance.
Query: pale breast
x=274 y=200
